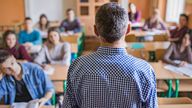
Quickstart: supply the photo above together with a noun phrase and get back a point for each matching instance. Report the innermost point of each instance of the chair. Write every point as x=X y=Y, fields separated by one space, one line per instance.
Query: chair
x=181 y=100
x=130 y=38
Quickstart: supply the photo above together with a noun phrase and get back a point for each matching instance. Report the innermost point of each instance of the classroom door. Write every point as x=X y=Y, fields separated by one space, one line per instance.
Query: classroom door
x=12 y=11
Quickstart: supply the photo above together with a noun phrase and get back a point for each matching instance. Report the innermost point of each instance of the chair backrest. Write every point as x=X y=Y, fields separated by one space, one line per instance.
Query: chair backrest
x=181 y=100
x=159 y=54
x=130 y=38
x=139 y=53
x=160 y=38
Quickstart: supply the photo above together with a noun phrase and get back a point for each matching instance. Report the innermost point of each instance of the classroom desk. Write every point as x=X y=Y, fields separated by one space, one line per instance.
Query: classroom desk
x=60 y=73
x=176 y=106
x=8 y=106
x=139 y=33
x=148 y=46
x=71 y=38
x=74 y=47
x=163 y=74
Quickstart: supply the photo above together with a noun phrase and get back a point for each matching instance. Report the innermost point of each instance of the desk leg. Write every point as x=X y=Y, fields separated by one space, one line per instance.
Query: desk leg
x=64 y=86
x=177 y=88
x=54 y=99
x=169 y=83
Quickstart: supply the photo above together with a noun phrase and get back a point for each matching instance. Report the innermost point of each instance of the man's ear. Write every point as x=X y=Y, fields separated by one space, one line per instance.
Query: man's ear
x=95 y=30
x=128 y=28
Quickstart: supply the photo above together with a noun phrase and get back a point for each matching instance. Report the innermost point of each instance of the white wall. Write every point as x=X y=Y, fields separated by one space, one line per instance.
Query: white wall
x=54 y=9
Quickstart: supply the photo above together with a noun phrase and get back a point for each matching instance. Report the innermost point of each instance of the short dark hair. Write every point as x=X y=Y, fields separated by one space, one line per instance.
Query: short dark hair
x=4 y=55
x=6 y=34
x=111 y=21
x=186 y=16
x=28 y=18
x=69 y=9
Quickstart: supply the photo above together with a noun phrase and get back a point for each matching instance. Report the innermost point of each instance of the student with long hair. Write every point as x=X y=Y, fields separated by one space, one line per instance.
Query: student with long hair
x=12 y=46
x=54 y=51
x=180 y=50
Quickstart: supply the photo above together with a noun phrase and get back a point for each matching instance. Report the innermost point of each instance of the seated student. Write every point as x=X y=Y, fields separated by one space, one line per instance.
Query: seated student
x=23 y=82
x=155 y=22
x=54 y=51
x=70 y=25
x=180 y=50
x=134 y=14
x=43 y=25
x=181 y=30
x=13 y=47
x=30 y=38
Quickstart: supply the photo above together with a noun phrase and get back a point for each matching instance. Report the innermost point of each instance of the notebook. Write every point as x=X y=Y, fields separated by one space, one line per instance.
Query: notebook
x=31 y=104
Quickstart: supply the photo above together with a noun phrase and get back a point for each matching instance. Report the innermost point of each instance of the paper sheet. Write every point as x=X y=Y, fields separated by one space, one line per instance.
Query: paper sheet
x=31 y=104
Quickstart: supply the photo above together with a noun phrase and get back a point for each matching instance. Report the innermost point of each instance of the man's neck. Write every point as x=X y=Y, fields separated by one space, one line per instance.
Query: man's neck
x=29 y=30
x=118 y=44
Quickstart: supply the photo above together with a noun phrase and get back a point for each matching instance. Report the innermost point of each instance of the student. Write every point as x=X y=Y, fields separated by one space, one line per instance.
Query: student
x=23 y=82
x=70 y=25
x=181 y=30
x=180 y=50
x=13 y=47
x=109 y=77
x=43 y=25
x=30 y=38
x=134 y=14
x=155 y=22
x=54 y=51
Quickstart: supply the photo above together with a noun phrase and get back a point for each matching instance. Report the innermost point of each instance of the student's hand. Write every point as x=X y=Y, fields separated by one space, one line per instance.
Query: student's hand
x=42 y=102
x=1 y=75
x=28 y=44
x=183 y=63
x=46 y=66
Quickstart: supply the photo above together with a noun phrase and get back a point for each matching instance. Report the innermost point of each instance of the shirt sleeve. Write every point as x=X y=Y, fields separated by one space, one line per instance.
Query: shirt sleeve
x=78 y=26
x=189 y=54
x=38 y=39
x=20 y=38
x=69 y=96
x=151 y=101
x=66 y=55
x=46 y=82
x=41 y=58
x=24 y=53
x=168 y=54
x=62 y=26
x=2 y=88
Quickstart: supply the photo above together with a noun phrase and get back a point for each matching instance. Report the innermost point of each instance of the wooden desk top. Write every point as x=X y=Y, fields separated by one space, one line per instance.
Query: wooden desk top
x=60 y=73
x=149 y=46
x=8 y=106
x=71 y=38
x=176 y=106
x=162 y=73
x=146 y=33
x=74 y=48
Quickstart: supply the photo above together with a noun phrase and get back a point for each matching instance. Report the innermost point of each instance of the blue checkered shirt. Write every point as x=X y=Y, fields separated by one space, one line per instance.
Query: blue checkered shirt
x=110 y=78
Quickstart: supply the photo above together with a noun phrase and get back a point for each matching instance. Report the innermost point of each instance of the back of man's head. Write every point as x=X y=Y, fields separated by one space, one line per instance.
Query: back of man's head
x=111 y=22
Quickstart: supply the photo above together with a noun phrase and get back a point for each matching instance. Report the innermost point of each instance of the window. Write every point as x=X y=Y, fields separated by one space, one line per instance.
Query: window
x=174 y=9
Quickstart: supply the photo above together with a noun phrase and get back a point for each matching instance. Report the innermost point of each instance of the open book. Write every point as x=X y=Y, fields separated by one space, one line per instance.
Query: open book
x=186 y=70
x=31 y=104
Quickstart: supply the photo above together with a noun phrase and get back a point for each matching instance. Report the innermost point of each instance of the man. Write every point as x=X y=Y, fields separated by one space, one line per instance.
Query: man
x=30 y=38
x=23 y=82
x=70 y=25
x=110 y=78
